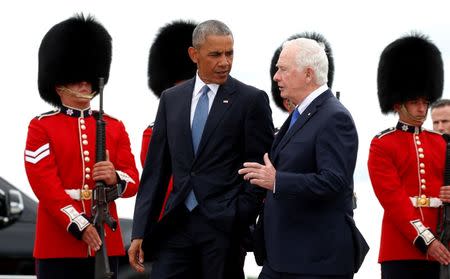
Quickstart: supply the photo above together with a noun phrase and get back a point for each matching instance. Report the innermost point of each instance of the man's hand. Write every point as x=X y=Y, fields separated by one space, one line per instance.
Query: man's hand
x=90 y=237
x=136 y=255
x=105 y=171
x=439 y=252
x=444 y=194
x=261 y=175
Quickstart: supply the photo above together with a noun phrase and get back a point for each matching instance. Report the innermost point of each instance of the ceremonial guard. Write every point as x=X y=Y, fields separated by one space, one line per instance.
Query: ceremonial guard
x=406 y=162
x=60 y=155
x=168 y=64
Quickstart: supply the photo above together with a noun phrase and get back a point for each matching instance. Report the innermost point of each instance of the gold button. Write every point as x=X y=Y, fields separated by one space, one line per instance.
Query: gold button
x=86 y=186
x=88 y=176
x=85 y=142
x=423 y=180
x=422 y=165
x=84 y=136
x=83 y=127
x=418 y=142
x=88 y=170
x=87 y=159
x=420 y=149
x=421 y=155
x=422 y=171
x=82 y=121
x=86 y=153
x=423 y=196
x=423 y=187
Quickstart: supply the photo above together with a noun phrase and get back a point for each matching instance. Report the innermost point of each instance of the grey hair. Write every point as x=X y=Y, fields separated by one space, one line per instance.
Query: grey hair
x=311 y=53
x=207 y=28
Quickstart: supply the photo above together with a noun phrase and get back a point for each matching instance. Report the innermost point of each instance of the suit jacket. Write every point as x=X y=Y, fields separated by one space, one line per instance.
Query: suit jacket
x=305 y=225
x=238 y=129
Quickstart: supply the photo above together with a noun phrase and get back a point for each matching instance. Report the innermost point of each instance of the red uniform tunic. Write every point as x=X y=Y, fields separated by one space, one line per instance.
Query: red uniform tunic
x=59 y=156
x=406 y=164
x=146 y=137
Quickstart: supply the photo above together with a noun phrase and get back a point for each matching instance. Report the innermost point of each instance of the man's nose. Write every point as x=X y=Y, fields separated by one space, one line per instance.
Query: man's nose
x=276 y=76
x=225 y=60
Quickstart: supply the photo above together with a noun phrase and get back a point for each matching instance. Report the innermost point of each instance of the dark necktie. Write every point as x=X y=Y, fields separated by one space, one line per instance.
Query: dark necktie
x=198 y=123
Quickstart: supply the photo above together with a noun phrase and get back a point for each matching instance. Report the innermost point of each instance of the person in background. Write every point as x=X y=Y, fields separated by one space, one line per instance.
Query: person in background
x=440 y=115
x=309 y=175
x=60 y=152
x=168 y=64
x=406 y=162
x=205 y=129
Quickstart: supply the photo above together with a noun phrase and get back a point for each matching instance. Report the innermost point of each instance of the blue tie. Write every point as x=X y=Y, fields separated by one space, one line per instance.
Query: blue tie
x=294 y=117
x=198 y=123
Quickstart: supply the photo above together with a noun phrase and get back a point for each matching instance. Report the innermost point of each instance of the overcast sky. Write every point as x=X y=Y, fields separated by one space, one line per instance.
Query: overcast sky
x=357 y=31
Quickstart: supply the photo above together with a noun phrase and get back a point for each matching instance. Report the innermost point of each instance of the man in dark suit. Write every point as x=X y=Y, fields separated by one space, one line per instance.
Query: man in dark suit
x=308 y=207
x=205 y=129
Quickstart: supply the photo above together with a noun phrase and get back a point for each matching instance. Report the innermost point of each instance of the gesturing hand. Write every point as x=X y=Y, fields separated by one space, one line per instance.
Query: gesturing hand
x=260 y=175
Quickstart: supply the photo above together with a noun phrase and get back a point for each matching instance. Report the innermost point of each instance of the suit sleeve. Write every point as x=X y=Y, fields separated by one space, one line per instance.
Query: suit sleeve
x=259 y=133
x=336 y=149
x=155 y=177
x=42 y=172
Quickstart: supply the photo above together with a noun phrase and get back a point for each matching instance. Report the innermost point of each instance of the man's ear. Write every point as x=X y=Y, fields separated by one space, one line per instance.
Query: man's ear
x=58 y=90
x=309 y=74
x=193 y=54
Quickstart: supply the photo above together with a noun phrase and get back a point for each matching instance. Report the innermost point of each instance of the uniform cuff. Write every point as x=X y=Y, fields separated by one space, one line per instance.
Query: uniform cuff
x=424 y=236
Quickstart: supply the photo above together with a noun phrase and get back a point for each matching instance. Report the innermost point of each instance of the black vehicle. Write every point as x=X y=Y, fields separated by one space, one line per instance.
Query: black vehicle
x=17 y=232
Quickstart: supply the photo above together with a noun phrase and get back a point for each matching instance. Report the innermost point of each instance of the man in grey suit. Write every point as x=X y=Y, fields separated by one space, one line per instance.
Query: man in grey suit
x=205 y=129
x=309 y=176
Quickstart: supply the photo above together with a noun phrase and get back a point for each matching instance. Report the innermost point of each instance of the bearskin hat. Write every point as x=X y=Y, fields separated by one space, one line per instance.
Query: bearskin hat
x=169 y=61
x=273 y=65
x=409 y=68
x=74 y=50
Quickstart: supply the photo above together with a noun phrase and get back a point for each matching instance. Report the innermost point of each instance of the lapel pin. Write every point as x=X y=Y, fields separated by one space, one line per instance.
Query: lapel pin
x=225 y=101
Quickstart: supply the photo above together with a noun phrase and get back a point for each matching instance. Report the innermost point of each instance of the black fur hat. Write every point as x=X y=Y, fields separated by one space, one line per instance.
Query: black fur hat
x=169 y=61
x=77 y=49
x=409 y=68
x=273 y=65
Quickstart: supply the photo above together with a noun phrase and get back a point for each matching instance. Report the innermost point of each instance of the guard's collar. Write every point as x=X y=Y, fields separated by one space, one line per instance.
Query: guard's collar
x=408 y=128
x=73 y=112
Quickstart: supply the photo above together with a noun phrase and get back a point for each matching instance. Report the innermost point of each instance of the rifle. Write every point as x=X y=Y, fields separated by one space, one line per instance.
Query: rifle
x=100 y=209
x=445 y=223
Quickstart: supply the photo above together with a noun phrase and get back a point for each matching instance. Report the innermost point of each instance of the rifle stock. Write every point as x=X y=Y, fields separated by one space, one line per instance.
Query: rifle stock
x=100 y=208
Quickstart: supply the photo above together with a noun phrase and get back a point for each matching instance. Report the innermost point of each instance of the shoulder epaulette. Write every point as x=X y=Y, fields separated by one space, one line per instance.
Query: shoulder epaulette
x=48 y=113
x=433 y=131
x=385 y=132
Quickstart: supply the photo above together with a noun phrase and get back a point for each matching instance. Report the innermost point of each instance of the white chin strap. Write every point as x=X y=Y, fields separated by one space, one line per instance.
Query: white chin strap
x=415 y=118
x=70 y=92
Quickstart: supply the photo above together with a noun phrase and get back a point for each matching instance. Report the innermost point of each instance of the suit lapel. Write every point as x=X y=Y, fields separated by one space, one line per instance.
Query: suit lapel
x=222 y=102
x=285 y=135
x=185 y=97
